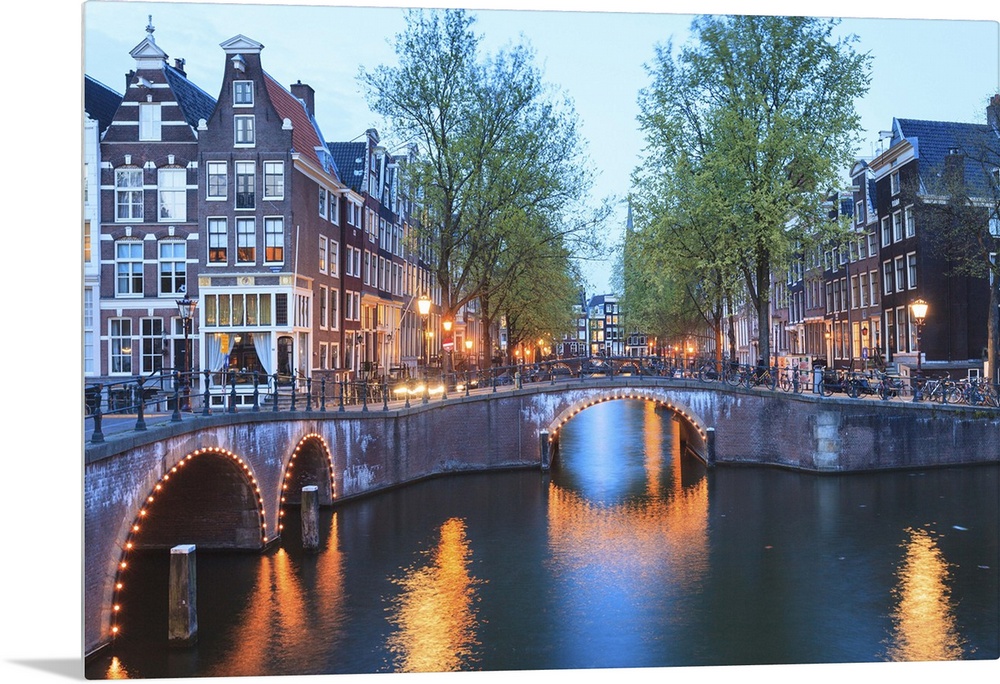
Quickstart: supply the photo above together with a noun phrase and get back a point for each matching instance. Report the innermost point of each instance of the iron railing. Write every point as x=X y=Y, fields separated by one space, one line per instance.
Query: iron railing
x=128 y=402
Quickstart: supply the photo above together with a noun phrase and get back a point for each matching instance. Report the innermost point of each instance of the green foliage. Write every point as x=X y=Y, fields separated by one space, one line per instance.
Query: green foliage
x=746 y=129
x=500 y=174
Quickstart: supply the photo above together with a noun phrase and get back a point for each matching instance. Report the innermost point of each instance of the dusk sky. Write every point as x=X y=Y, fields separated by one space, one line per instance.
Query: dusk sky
x=923 y=68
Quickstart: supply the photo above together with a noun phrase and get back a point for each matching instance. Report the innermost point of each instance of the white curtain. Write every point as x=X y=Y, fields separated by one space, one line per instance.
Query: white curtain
x=262 y=345
x=214 y=358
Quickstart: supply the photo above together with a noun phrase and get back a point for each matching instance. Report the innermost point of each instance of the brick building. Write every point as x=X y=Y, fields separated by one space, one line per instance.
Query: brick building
x=149 y=235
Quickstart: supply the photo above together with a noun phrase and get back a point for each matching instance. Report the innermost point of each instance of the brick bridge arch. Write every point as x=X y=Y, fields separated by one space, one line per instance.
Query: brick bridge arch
x=210 y=497
x=694 y=429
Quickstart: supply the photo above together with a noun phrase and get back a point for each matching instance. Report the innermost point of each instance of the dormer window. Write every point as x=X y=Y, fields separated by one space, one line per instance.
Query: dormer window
x=243 y=93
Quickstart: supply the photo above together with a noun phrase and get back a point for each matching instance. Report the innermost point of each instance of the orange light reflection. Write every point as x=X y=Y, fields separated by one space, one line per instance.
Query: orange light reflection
x=923 y=620
x=435 y=612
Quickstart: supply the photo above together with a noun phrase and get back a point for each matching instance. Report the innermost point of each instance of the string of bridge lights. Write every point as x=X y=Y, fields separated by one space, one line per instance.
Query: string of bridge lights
x=142 y=515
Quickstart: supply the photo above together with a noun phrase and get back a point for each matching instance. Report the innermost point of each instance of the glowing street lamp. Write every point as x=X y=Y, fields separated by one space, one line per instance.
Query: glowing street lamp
x=919 y=309
x=185 y=308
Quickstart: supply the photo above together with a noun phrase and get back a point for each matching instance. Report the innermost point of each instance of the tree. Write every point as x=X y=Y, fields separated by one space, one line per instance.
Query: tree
x=761 y=110
x=494 y=151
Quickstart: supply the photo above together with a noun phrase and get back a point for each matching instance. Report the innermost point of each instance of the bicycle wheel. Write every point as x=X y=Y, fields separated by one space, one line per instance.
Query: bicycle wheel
x=784 y=384
x=734 y=377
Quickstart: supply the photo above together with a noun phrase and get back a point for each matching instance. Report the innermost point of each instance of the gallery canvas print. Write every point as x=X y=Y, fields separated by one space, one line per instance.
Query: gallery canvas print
x=440 y=339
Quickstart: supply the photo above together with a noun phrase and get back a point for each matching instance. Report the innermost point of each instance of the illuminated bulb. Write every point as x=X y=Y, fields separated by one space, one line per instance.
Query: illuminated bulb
x=114 y=630
x=142 y=512
x=119 y=586
x=116 y=608
x=123 y=565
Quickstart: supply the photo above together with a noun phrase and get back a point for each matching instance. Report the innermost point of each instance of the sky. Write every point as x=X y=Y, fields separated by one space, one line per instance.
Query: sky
x=936 y=62
x=922 y=68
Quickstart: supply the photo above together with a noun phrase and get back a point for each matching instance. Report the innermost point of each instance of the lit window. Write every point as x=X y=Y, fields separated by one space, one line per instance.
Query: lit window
x=120 y=340
x=322 y=253
x=274 y=239
x=246 y=241
x=217 y=241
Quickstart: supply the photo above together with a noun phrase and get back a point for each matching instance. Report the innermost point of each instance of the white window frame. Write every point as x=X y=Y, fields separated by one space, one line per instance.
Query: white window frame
x=237 y=102
x=244 y=130
x=334 y=200
x=911 y=270
x=323 y=247
x=217 y=181
x=899 y=267
x=171 y=192
x=171 y=267
x=248 y=198
x=128 y=195
x=333 y=260
x=151 y=332
x=334 y=308
x=322 y=203
x=120 y=346
x=909 y=225
x=270 y=243
x=323 y=305
x=274 y=180
x=894 y=182
x=246 y=239
x=150 y=121
x=134 y=274
x=897 y=226
x=886 y=232
x=218 y=240
x=887 y=277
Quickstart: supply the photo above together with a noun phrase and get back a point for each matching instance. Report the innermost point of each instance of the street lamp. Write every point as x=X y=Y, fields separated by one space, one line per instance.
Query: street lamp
x=468 y=351
x=424 y=308
x=186 y=307
x=919 y=309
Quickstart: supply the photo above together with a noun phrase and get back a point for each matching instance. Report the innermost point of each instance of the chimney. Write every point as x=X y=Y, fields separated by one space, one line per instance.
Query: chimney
x=179 y=66
x=993 y=113
x=954 y=166
x=307 y=95
x=129 y=77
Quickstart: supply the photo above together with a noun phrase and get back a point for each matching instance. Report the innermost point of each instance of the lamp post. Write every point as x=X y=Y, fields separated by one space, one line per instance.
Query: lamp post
x=468 y=351
x=186 y=307
x=919 y=309
x=424 y=308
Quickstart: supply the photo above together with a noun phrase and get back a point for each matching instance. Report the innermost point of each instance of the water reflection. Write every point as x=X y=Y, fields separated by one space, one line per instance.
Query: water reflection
x=435 y=611
x=923 y=618
x=626 y=551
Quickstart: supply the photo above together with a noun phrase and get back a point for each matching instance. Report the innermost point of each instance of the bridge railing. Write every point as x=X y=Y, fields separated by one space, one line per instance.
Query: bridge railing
x=128 y=402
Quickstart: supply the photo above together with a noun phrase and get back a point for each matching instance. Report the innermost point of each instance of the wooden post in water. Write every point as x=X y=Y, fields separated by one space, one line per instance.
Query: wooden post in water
x=182 y=629
x=710 y=446
x=543 y=442
x=310 y=517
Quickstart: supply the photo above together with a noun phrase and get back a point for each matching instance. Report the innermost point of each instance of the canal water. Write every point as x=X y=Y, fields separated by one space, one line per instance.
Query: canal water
x=628 y=554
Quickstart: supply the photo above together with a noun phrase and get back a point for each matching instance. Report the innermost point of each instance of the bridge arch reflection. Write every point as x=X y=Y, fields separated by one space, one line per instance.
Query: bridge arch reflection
x=693 y=430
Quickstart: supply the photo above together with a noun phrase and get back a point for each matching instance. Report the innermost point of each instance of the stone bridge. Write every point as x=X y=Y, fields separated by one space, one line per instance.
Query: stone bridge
x=224 y=481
